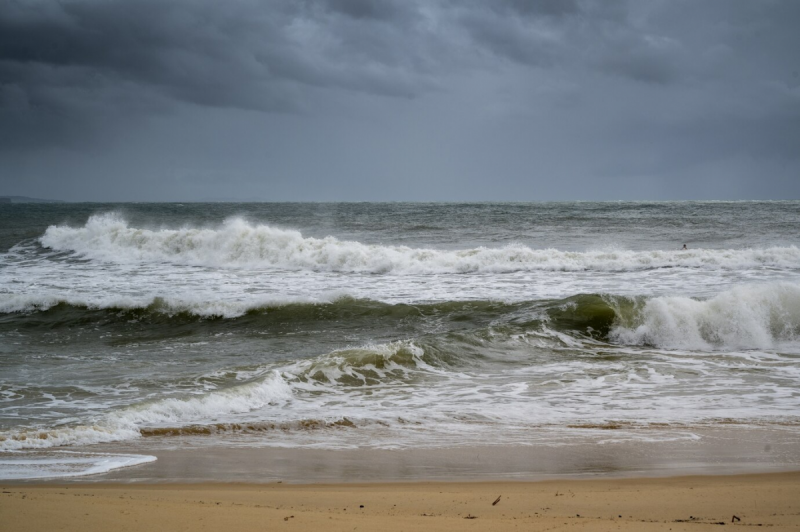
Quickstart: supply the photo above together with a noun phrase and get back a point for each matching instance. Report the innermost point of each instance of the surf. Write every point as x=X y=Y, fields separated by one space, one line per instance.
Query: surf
x=237 y=243
x=759 y=316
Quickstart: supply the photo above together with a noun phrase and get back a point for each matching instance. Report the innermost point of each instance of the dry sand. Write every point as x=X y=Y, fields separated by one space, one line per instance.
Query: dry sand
x=679 y=503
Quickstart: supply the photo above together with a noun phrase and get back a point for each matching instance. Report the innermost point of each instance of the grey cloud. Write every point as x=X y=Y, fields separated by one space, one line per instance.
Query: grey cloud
x=69 y=59
x=163 y=46
x=209 y=53
x=598 y=35
x=261 y=55
x=649 y=59
x=388 y=10
x=371 y=92
x=516 y=39
x=540 y=7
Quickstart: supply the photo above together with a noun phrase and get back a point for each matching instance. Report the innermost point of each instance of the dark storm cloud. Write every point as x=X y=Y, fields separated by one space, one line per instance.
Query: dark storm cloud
x=209 y=53
x=253 y=55
x=182 y=46
x=636 y=87
x=543 y=7
x=368 y=9
x=69 y=58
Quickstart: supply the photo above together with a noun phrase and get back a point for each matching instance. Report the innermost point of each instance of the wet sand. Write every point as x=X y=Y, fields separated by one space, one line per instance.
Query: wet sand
x=591 y=484
x=586 y=454
x=675 y=503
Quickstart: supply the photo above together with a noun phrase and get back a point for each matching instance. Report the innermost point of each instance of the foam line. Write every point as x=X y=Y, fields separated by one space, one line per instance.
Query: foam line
x=240 y=244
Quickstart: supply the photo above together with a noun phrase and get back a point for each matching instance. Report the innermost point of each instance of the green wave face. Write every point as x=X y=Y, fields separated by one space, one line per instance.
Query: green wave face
x=349 y=342
x=585 y=314
x=588 y=314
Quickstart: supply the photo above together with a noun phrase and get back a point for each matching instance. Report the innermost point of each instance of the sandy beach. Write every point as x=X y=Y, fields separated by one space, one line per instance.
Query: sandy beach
x=677 y=503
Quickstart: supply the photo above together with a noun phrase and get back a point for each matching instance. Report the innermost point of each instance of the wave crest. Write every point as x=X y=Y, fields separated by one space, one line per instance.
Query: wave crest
x=745 y=317
x=240 y=244
x=754 y=316
x=126 y=424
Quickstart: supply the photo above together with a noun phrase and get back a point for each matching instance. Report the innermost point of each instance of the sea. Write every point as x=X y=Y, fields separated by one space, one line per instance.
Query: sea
x=141 y=327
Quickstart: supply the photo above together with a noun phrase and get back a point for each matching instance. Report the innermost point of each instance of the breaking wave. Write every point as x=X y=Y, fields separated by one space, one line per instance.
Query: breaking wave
x=221 y=410
x=753 y=316
x=126 y=424
x=148 y=305
x=745 y=317
x=240 y=244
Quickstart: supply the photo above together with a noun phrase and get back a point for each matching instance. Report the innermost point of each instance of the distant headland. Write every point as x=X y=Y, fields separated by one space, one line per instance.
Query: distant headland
x=26 y=199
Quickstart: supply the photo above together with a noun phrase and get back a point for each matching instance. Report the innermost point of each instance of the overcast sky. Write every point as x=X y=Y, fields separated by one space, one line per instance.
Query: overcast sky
x=353 y=100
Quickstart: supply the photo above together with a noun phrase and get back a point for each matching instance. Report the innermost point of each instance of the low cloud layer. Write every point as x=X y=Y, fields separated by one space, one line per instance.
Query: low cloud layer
x=399 y=100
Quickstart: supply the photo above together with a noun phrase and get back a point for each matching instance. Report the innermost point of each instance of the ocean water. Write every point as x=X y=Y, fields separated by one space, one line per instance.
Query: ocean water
x=389 y=326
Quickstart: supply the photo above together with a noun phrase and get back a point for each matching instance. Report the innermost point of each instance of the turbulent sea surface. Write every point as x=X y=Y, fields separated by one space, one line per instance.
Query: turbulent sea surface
x=389 y=325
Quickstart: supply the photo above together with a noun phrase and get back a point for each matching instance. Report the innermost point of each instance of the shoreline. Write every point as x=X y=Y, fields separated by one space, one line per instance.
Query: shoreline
x=594 y=453
x=670 y=503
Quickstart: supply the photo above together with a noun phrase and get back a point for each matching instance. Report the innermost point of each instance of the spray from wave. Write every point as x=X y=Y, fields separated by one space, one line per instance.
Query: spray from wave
x=745 y=317
x=239 y=244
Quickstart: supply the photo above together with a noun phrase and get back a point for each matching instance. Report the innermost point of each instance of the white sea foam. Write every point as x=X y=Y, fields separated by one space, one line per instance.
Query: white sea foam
x=168 y=305
x=61 y=464
x=746 y=317
x=239 y=244
x=395 y=399
x=272 y=389
x=125 y=424
x=362 y=363
x=102 y=432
